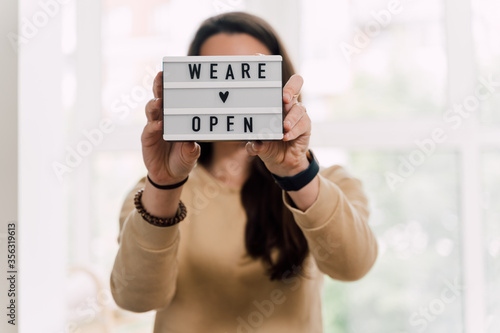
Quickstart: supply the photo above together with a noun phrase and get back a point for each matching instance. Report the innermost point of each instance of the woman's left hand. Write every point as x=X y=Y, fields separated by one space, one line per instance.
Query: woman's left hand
x=287 y=157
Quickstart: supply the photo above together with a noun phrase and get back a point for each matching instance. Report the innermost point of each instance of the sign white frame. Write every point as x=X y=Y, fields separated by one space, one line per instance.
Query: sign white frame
x=222 y=98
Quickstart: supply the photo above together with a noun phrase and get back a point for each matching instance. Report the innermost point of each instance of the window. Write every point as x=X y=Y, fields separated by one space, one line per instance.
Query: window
x=381 y=81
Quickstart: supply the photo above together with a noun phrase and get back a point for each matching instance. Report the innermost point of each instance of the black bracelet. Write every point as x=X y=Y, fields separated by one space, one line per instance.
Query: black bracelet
x=168 y=187
x=301 y=179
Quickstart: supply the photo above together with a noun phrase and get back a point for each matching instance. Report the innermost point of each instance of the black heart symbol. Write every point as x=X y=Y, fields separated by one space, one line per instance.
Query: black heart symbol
x=224 y=96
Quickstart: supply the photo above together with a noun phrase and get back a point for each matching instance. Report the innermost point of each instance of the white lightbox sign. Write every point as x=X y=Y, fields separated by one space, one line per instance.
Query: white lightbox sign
x=215 y=98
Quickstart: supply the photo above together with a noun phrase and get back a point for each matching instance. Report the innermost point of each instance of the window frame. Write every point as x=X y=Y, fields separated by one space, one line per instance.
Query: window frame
x=469 y=140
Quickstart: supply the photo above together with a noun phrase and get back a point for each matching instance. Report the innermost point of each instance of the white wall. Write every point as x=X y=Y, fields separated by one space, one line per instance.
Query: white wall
x=8 y=138
x=284 y=17
x=42 y=227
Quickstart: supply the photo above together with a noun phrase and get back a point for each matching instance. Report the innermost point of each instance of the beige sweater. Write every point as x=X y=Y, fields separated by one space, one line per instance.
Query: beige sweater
x=196 y=274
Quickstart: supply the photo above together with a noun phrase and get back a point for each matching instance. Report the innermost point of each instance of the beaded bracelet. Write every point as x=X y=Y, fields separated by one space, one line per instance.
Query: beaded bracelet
x=158 y=221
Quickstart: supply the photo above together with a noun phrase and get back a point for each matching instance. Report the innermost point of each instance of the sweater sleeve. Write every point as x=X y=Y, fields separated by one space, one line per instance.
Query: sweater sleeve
x=336 y=226
x=145 y=269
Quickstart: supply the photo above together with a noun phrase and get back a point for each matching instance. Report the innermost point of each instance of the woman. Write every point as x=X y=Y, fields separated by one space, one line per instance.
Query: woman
x=250 y=255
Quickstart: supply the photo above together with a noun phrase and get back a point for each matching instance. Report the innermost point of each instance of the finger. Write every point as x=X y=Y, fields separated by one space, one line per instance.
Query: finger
x=158 y=85
x=152 y=132
x=303 y=127
x=288 y=106
x=252 y=148
x=257 y=147
x=296 y=112
x=190 y=152
x=154 y=109
x=292 y=87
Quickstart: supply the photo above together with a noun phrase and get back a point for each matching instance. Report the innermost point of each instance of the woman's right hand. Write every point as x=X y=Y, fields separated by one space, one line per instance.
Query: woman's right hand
x=167 y=162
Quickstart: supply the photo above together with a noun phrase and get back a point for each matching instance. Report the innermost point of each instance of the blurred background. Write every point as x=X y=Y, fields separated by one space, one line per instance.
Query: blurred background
x=404 y=94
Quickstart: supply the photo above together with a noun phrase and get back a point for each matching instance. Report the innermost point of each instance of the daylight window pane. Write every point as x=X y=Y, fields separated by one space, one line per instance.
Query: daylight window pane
x=415 y=284
x=113 y=175
x=486 y=25
x=491 y=217
x=366 y=60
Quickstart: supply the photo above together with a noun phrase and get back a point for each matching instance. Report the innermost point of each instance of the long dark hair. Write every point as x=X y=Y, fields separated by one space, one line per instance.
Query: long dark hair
x=271 y=233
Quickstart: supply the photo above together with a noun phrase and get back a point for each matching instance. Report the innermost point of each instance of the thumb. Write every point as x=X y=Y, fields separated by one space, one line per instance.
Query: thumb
x=257 y=148
x=190 y=151
x=261 y=148
x=251 y=148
